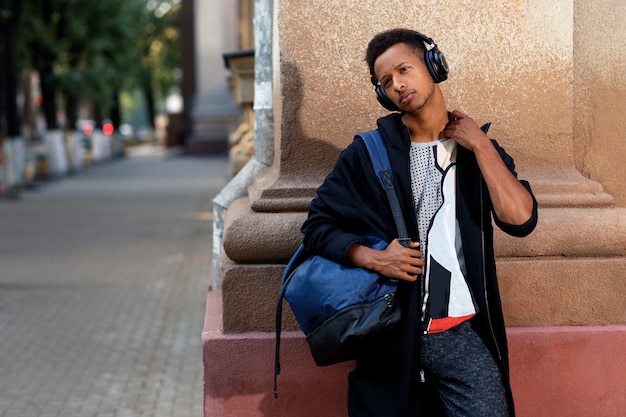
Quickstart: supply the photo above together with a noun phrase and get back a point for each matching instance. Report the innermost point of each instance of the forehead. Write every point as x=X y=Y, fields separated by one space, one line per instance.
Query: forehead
x=394 y=56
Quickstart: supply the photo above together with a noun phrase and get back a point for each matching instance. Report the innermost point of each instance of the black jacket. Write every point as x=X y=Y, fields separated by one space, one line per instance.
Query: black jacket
x=350 y=204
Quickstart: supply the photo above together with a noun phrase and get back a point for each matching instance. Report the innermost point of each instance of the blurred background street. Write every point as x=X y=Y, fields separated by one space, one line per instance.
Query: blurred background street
x=120 y=121
x=103 y=281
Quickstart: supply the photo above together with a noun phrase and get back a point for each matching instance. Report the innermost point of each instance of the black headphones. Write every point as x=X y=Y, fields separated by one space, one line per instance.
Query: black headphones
x=435 y=62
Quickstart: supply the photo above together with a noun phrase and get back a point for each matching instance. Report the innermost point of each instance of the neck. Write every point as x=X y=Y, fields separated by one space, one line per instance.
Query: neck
x=427 y=123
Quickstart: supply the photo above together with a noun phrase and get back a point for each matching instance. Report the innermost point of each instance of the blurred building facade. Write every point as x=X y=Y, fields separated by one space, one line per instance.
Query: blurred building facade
x=209 y=28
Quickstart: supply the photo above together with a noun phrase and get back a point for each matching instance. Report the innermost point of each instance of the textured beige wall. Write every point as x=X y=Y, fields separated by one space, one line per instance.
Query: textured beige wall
x=523 y=65
x=511 y=64
x=600 y=86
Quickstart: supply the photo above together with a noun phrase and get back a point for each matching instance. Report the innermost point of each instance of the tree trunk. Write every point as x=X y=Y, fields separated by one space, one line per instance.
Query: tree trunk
x=8 y=70
x=149 y=95
x=71 y=111
x=98 y=118
x=48 y=94
x=116 y=117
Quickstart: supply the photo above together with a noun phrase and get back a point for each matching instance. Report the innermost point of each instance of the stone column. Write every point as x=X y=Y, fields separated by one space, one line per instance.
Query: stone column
x=526 y=91
x=214 y=114
x=514 y=63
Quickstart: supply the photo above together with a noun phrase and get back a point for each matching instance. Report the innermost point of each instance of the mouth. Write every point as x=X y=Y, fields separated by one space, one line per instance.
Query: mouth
x=406 y=96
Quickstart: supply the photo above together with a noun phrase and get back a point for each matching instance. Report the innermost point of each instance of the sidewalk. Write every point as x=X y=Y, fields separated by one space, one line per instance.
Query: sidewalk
x=103 y=279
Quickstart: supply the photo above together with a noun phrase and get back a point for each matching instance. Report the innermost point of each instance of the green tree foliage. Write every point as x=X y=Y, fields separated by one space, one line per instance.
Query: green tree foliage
x=89 y=51
x=160 y=52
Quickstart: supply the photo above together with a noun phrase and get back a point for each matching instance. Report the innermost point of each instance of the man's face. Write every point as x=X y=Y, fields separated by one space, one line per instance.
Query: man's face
x=404 y=77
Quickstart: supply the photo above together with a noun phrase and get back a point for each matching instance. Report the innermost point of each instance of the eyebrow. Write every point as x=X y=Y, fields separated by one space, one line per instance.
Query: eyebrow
x=400 y=65
x=403 y=63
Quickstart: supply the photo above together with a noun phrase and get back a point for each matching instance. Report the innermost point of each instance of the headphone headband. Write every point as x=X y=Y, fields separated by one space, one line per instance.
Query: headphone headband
x=425 y=39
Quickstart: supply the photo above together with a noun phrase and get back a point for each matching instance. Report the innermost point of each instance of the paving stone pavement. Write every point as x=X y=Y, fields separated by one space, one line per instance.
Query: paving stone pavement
x=103 y=279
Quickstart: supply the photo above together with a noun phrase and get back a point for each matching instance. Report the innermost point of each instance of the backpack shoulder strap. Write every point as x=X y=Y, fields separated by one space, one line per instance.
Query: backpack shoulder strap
x=379 y=157
x=382 y=167
x=298 y=257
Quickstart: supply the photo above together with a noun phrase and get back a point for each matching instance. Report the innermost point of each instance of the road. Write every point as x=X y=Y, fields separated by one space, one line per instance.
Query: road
x=103 y=278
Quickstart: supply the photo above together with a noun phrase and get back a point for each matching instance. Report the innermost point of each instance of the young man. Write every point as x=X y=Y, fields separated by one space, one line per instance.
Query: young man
x=449 y=355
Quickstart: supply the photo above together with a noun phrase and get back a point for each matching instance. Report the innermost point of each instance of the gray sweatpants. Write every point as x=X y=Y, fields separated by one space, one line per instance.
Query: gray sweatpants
x=463 y=373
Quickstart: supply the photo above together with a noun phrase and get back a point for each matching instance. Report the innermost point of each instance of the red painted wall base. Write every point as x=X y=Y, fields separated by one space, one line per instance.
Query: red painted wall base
x=555 y=372
x=569 y=371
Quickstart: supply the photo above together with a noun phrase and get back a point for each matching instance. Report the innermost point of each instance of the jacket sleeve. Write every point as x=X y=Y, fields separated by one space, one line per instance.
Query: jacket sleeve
x=526 y=228
x=346 y=208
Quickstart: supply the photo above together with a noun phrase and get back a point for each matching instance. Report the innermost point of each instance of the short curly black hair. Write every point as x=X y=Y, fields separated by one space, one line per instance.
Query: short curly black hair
x=384 y=40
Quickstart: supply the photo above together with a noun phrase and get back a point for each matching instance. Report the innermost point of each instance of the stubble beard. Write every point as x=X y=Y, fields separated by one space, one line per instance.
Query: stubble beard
x=424 y=100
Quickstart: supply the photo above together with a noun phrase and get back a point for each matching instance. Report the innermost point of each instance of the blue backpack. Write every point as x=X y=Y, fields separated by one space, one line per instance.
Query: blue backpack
x=339 y=308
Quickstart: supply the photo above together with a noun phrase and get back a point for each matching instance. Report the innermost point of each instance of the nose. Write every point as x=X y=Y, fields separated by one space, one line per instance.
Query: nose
x=398 y=83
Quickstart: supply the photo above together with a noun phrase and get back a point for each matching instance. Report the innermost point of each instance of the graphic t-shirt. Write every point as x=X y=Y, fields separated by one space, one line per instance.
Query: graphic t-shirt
x=447 y=298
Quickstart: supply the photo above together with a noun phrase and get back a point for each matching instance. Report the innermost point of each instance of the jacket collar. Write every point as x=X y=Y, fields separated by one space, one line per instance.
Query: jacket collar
x=394 y=131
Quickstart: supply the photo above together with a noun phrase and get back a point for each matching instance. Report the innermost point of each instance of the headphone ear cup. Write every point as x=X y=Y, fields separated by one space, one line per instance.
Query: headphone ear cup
x=383 y=98
x=436 y=64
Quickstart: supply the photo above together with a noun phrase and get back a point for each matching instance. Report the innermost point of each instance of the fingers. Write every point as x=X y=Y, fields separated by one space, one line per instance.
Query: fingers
x=457 y=114
x=412 y=265
x=398 y=261
x=411 y=243
x=413 y=248
x=412 y=273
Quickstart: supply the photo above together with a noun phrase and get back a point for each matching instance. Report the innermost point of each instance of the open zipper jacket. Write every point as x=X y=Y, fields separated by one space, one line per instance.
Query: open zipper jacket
x=351 y=204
